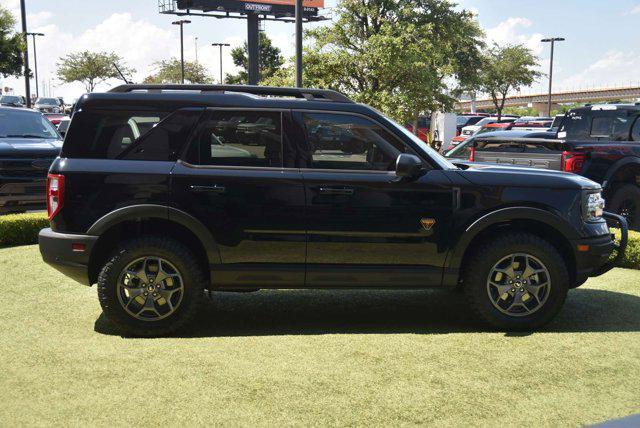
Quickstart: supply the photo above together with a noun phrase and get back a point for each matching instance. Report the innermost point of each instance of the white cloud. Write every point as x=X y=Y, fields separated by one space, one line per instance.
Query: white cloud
x=614 y=68
x=137 y=41
x=510 y=31
x=634 y=11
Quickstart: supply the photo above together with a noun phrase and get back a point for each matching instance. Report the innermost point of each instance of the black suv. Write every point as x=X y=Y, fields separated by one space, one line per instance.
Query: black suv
x=152 y=203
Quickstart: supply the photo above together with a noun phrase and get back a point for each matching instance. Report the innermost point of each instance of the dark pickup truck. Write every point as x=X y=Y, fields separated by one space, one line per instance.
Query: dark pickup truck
x=600 y=142
x=28 y=145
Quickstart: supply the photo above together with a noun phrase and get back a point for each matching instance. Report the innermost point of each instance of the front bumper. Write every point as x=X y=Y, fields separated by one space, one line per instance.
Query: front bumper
x=597 y=259
x=57 y=249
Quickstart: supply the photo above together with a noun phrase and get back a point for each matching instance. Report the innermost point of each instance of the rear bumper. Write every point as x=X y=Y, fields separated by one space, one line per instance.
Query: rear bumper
x=597 y=259
x=57 y=250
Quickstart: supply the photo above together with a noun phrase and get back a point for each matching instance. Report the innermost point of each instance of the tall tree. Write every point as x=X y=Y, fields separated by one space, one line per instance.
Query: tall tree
x=91 y=68
x=171 y=72
x=11 y=45
x=269 y=62
x=505 y=69
x=401 y=56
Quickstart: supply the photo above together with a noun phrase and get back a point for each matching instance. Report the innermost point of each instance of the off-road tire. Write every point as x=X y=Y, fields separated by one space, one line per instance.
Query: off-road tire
x=176 y=253
x=480 y=263
x=624 y=194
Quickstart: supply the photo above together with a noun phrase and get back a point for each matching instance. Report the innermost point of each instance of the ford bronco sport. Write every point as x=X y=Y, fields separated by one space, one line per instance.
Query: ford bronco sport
x=159 y=194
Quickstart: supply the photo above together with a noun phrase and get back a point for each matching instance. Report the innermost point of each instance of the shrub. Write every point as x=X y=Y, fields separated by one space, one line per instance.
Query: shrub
x=631 y=259
x=21 y=229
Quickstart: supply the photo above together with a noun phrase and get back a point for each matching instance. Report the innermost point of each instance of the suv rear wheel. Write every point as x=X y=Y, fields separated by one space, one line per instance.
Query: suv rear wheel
x=152 y=286
x=516 y=282
x=626 y=202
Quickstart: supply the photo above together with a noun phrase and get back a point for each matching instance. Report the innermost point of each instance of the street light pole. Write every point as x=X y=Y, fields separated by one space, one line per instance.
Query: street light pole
x=181 y=24
x=35 y=60
x=551 y=40
x=27 y=82
x=220 y=45
x=299 y=12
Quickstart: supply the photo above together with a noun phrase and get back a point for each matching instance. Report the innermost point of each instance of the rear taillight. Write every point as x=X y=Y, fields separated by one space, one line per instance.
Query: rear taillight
x=55 y=194
x=472 y=154
x=573 y=161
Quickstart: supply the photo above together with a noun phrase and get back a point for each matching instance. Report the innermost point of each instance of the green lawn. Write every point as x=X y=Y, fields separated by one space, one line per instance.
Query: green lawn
x=313 y=358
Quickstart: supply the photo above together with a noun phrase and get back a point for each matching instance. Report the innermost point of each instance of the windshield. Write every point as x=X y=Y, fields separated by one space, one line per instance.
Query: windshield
x=9 y=99
x=426 y=149
x=26 y=124
x=47 y=101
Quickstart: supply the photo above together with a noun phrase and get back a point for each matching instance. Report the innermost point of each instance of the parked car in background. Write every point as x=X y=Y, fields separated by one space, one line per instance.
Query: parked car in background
x=48 y=105
x=472 y=149
x=532 y=122
x=424 y=128
x=12 y=101
x=55 y=118
x=158 y=220
x=469 y=130
x=28 y=145
x=63 y=126
x=466 y=120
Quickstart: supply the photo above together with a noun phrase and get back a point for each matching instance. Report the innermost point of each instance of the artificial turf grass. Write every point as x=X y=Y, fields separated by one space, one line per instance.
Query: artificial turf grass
x=314 y=358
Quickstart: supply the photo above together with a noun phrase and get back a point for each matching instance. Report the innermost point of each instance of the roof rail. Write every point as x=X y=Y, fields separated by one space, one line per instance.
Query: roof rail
x=306 y=93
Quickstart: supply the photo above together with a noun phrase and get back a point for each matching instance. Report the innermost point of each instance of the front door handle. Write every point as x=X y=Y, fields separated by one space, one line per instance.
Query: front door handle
x=216 y=188
x=346 y=191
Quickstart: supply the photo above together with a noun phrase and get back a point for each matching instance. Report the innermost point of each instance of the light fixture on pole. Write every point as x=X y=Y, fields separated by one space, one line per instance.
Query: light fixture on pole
x=35 y=59
x=181 y=24
x=551 y=40
x=220 y=45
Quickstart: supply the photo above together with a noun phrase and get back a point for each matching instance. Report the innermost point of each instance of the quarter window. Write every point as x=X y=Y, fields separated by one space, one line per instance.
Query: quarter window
x=238 y=138
x=601 y=126
x=339 y=141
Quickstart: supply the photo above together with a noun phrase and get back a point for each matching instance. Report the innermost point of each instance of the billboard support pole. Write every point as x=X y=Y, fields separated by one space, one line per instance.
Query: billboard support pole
x=253 y=40
x=299 y=12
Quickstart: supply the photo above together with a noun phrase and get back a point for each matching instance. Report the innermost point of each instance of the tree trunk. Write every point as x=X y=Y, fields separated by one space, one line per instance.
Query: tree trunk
x=415 y=124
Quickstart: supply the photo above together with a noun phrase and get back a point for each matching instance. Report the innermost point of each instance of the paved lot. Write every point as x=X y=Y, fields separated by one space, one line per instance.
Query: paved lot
x=314 y=358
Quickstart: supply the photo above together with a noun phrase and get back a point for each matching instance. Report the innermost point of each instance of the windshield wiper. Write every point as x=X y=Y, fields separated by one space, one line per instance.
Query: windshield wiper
x=24 y=136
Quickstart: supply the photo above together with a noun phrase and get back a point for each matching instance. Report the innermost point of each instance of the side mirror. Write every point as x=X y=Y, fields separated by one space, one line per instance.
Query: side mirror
x=408 y=166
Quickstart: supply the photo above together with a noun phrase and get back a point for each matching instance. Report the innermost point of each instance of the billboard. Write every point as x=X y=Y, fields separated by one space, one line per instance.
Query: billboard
x=267 y=7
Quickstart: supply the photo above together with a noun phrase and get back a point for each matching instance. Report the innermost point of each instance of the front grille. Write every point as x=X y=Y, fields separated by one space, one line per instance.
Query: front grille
x=24 y=168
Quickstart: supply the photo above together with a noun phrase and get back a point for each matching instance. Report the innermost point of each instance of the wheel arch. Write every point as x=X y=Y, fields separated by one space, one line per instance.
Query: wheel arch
x=524 y=219
x=625 y=170
x=135 y=220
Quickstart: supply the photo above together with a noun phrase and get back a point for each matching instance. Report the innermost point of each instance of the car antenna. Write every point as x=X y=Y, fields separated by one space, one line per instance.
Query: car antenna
x=121 y=75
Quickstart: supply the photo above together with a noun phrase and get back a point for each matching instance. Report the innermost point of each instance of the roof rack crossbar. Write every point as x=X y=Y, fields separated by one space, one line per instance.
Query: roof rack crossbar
x=306 y=93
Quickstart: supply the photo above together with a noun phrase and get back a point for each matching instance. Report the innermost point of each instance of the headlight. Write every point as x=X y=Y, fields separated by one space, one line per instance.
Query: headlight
x=592 y=206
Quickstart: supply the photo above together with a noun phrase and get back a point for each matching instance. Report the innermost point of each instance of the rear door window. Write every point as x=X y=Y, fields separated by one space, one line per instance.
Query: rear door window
x=238 y=138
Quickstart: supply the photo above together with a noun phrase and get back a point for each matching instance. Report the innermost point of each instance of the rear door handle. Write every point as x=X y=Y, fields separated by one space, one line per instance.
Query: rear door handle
x=216 y=188
x=336 y=191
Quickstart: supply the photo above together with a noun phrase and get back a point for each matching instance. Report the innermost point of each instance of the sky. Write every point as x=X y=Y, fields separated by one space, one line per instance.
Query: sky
x=602 y=46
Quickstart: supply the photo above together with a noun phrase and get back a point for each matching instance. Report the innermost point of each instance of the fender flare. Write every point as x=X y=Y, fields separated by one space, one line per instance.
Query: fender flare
x=138 y=212
x=617 y=166
x=503 y=215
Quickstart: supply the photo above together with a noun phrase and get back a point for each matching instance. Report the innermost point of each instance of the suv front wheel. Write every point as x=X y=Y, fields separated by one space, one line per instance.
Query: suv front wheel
x=517 y=281
x=151 y=286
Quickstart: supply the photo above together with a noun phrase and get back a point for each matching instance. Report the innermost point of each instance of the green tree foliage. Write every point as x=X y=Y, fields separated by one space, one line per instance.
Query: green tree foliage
x=505 y=69
x=170 y=72
x=91 y=68
x=269 y=62
x=11 y=45
x=400 y=56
